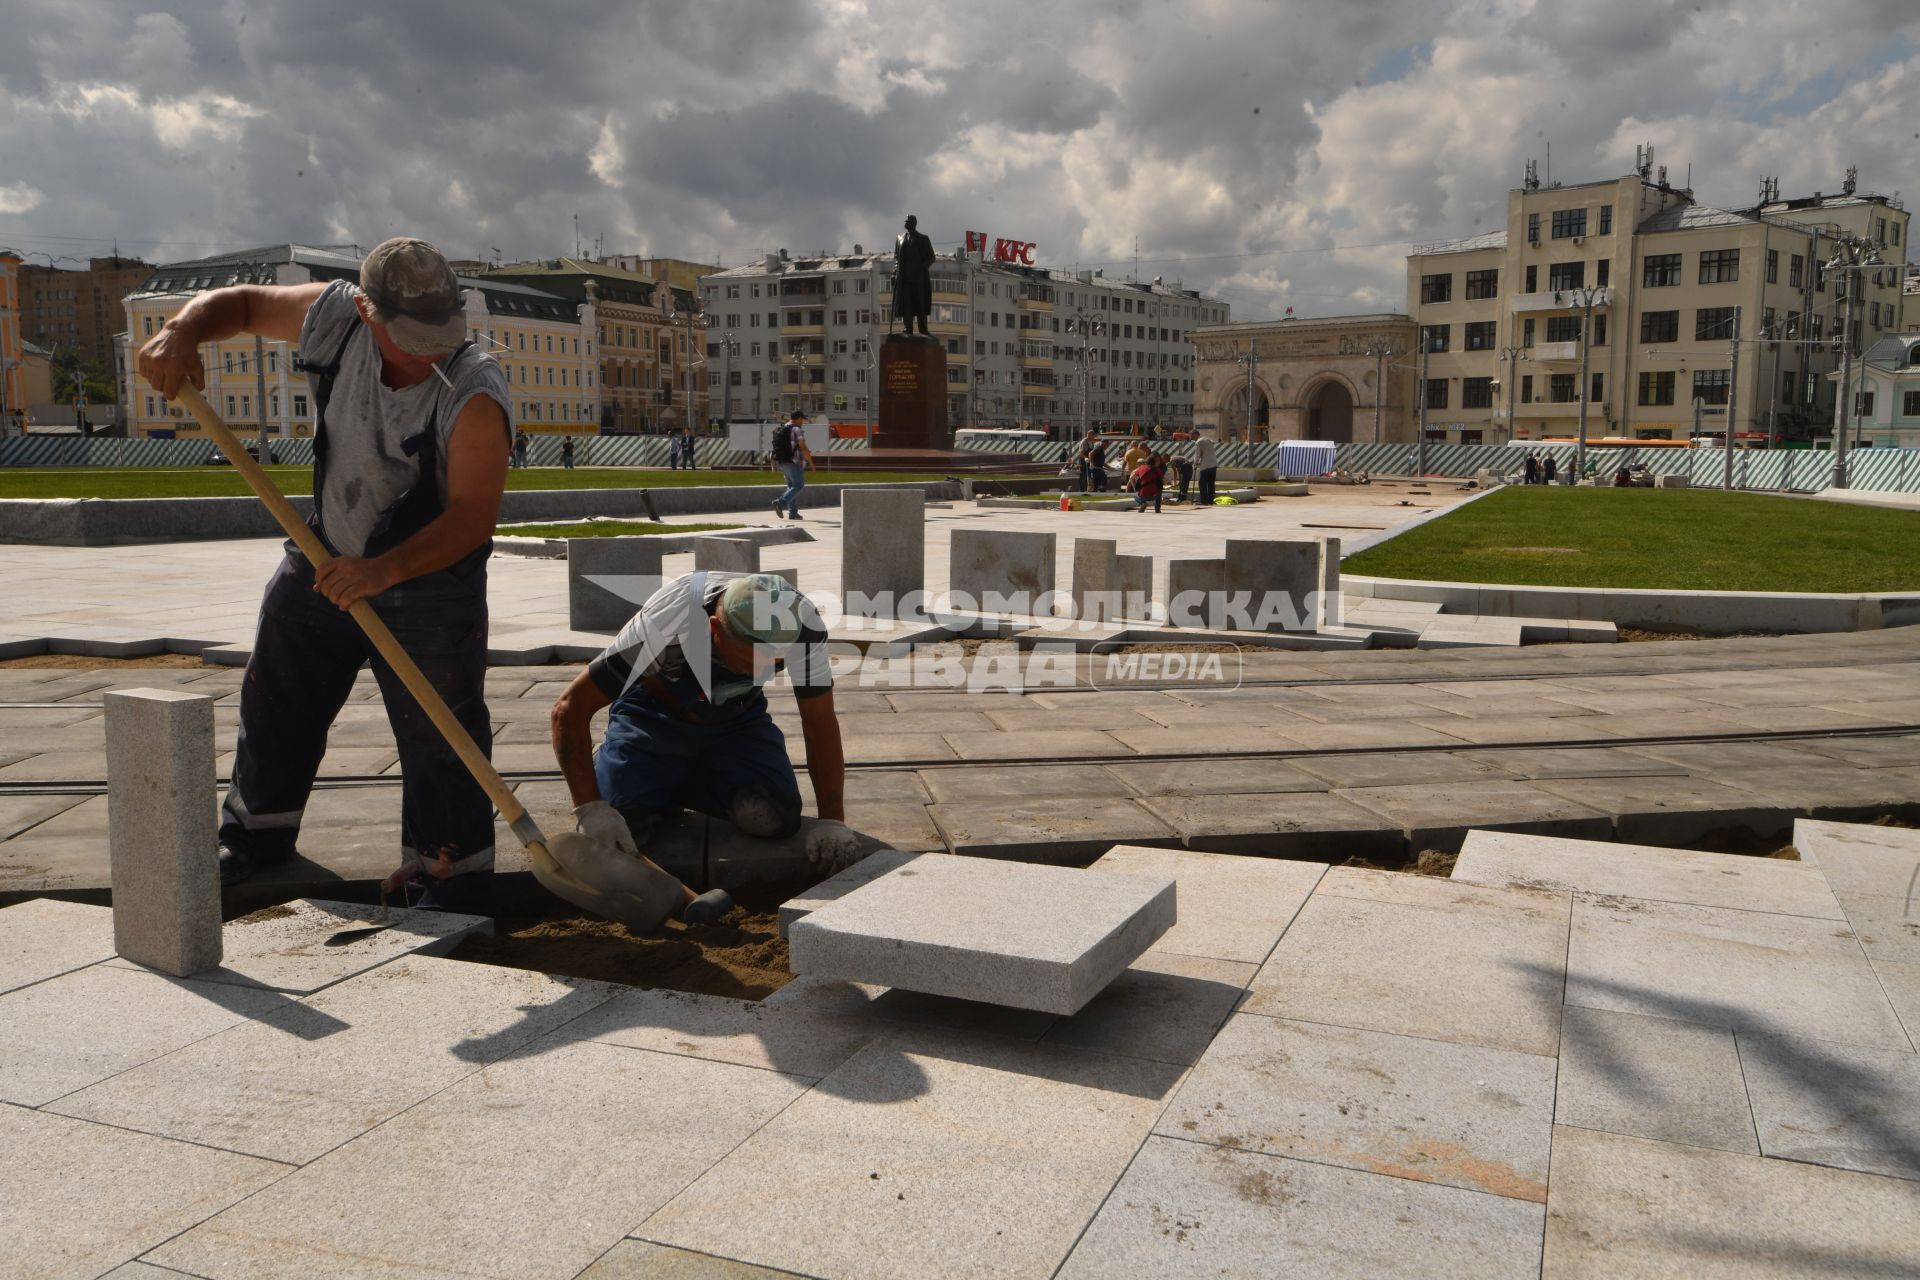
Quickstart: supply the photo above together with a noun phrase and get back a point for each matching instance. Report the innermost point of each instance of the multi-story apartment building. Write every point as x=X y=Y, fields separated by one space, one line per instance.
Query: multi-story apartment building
x=641 y=325
x=683 y=274
x=79 y=311
x=13 y=378
x=1502 y=316
x=545 y=344
x=1025 y=346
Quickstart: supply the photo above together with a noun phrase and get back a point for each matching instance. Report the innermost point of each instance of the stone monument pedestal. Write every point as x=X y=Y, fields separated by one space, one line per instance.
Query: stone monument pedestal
x=913 y=394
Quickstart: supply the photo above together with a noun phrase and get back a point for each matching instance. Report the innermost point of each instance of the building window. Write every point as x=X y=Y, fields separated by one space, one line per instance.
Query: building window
x=1482 y=335
x=1563 y=328
x=1566 y=275
x=1863 y=404
x=1662 y=269
x=1719 y=266
x=1483 y=284
x=1476 y=393
x=1712 y=322
x=1606 y=220
x=1533 y=228
x=1434 y=336
x=1560 y=388
x=1710 y=386
x=1656 y=388
x=1796 y=267
x=1436 y=288
x=1909 y=401
x=1773 y=266
x=1526 y=332
x=1597 y=388
x=1602 y=272
x=1526 y=388
x=1569 y=222
x=1599 y=338
x=1533 y=278
x=1786 y=386
x=1436 y=393
x=1660 y=326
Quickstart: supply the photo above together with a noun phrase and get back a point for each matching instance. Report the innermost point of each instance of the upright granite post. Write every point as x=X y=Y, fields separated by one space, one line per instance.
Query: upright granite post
x=725 y=555
x=161 y=829
x=1332 y=613
x=1096 y=573
x=883 y=550
x=1278 y=578
x=608 y=579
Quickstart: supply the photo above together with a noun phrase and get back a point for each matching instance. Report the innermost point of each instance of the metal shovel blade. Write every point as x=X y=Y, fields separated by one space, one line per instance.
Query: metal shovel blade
x=605 y=881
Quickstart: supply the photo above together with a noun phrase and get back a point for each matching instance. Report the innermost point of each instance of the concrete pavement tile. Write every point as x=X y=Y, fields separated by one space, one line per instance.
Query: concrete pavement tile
x=1165 y=1007
x=58 y=766
x=1633 y=1208
x=1096 y=715
x=1839 y=792
x=1205 y=742
x=1214 y=777
x=1037 y=744
x=1439 y=816
x=637 y=1127
x=875 y=786
x=1652 y=1078
x=1614 y=702
x=1057 y=829
x=639 y=1260
x=1380 y=735
x=44 y=938
x=1231 y=908
x=1535 y=763
x=1801 y=719
x=1860 y=858
x=1186 y=1211
x=1249 y=709
x=1461 y=1115
x=1836 y=1105
x=143 y=1271
x=1484 y=729
x=1467 y=964
x=1031 y=782
x=1664 y=724
x=906 y=824
x=930 y=721
x=1901 y=982
x=88 y=1025
x=1301 y=824
x=76 y=1199
x=298 y=1082
x=286 y=948
x=897 y=1164
x=1902 y=751
x=1748 y=970
x=794 y=1040
x=893 y=748
x=861 y=1004
x=1389 y=768
x=1508 y=859
x=1888 y=928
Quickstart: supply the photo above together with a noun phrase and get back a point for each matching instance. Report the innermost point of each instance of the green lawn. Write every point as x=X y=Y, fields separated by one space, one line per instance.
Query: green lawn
x=1691 y=539
x=215 y=482
x=604 y=529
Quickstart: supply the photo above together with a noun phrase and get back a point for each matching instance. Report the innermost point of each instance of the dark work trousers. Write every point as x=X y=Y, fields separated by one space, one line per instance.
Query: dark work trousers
x=1208 y=477
x=305 y=657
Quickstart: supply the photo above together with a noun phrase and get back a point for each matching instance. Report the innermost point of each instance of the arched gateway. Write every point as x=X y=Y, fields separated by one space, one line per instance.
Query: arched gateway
x=1331 y=379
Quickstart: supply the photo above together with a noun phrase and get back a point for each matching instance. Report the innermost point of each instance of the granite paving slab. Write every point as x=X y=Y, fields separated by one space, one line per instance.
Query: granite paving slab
x=629 y=1129
x=22 y=813
x=1653 y=1078
x=897 y=1164
x=1510 y=859
x=1185 y=1211
x=90 y=1024
x=1165 y=1006
x=1231 y=908
x=837 y=886
x=1534 y=763
x=1215 y=777
x=1417 y=956
x=1575 y=727
x=1888 y=928
x=1462 y=1115
x=639 y=1260
x=794 y=1039
x=1748 y=970
x=276 y=1089
x=863 y=1004
x=44 y=938
x=1052 y=829
x=1301 y=824
x=1632 y=1208
x=1861 y=859
x=1674 y=810
x=1035 y=937
x=998 y=744
x=285 y=948
x=1898 y=751
x=1436 y=816
x=1399 y=768
x=1837 y=1105
x=1839 y=792
x=996 y=783
x=76 y=1199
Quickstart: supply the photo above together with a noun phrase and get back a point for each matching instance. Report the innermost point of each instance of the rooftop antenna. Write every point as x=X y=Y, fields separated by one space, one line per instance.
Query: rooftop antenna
x=576 y=235
x=1532 y=182
x=1769 y=189
x=1643 y=160
x=1852 y=179
x=1549 y=164
x=1661 y=181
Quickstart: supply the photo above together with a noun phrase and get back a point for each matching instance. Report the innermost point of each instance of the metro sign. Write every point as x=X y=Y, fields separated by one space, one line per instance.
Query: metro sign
x=1018 y=251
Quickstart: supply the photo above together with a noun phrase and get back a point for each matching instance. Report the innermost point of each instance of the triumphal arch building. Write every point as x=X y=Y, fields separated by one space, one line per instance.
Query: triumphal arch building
x=1342 y=378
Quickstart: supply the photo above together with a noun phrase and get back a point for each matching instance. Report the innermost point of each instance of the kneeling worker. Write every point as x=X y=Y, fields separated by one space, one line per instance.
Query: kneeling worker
x=689 y=726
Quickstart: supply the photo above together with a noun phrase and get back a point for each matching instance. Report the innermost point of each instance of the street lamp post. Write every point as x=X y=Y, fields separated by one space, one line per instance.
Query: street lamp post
x=692 y=319
x=1512 y=356
x=1733 y=400
x=1251 y=363
x=1854 y=255
x=1585 y=297
x=1087 y=325
x=1381 y=349
x=726 y=379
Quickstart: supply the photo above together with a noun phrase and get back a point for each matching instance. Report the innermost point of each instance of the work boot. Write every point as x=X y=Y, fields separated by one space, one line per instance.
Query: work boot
x=237 y=865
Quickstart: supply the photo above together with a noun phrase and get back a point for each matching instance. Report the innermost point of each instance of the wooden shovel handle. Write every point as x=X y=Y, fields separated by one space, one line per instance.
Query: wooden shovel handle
x=403 y=666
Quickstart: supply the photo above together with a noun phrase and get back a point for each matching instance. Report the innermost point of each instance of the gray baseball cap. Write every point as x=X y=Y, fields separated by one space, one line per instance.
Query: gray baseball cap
x=415 y=295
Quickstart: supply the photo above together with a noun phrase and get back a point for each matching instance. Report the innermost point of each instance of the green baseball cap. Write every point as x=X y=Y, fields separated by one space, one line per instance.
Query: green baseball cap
x=763 y=608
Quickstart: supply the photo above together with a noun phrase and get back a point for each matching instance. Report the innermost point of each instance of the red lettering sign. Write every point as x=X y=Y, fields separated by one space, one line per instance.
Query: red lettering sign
x=1020 y=251
x=976 y=242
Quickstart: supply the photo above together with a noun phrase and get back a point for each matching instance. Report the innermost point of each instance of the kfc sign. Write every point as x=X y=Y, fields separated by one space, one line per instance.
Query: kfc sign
x=1018 y=251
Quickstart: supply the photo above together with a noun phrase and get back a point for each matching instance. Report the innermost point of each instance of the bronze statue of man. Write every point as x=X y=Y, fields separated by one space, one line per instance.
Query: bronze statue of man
x=913 y=277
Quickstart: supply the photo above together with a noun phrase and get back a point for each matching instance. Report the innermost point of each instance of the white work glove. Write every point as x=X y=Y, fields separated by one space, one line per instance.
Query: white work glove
x=602 y=823
x=832 y=846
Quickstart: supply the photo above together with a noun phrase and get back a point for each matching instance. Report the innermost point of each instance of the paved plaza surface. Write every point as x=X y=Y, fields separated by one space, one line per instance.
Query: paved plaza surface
x=1569 y=1059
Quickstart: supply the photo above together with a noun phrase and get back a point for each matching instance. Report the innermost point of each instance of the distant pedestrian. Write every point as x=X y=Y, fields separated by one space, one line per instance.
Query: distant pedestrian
x=1548 y=469
x=1530 y=470
x=686 y=448
x=521 y=443
x=792 y=457
x=1136 y=454
x=1086 y=461
x=566 y=452
x=1097 y=465
x=1181 y=471
x=1206 y=461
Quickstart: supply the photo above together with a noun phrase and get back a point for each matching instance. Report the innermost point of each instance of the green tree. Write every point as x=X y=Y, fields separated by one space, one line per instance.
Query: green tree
x=95 y=377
